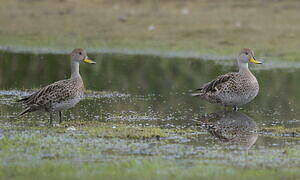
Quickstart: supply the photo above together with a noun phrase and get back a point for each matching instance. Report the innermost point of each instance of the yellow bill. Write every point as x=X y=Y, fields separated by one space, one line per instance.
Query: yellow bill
x=87 y=60
x=253 y=60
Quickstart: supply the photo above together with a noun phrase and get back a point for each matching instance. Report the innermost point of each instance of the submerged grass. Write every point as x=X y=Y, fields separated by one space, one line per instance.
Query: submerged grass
x=118 y=130
x=203 y=27
x=283 y=131
x=116 y=150
x=96 y=129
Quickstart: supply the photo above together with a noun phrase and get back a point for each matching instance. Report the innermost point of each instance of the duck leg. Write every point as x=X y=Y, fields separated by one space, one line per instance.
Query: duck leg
x=51 y=118
x=226 y=109
x=60 y=117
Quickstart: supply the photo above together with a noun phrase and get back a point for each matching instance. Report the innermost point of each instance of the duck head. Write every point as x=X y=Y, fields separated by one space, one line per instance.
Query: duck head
x=247 y=56
x=80 y=55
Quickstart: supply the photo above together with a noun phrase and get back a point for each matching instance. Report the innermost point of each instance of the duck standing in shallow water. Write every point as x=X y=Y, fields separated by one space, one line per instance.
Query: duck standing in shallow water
x=234 y=88
x=61 y=95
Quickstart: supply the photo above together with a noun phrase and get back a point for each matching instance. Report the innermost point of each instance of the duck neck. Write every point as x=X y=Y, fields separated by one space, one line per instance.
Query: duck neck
x=243 y=68
x=74 y=69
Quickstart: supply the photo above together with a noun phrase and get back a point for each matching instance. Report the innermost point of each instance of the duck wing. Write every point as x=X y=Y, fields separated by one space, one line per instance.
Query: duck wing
x=44 y=95
x=213 y=85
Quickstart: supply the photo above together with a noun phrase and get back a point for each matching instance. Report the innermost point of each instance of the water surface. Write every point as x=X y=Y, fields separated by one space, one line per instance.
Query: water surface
x=147 y=91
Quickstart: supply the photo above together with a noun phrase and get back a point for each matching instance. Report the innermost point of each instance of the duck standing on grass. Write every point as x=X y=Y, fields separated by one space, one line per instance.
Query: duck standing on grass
x=235 y=88
x=61 y=95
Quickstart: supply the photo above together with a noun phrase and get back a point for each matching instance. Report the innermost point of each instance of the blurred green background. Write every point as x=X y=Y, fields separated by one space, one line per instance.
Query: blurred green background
x=205 y=27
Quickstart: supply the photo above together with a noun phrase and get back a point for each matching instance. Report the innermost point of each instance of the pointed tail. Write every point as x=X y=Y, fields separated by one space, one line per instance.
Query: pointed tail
x=23 y=99
x=197 y=92
x=27 y=110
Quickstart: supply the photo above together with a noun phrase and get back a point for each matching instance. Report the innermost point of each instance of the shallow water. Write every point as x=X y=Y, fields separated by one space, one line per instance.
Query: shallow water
x=146 y=91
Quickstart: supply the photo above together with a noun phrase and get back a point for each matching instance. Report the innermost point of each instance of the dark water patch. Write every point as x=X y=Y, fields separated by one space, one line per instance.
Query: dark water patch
x=223 y=60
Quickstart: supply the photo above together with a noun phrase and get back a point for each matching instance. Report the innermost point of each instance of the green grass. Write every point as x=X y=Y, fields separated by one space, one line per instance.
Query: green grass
x=203 y=27
x=145 y=168
x=96 y=150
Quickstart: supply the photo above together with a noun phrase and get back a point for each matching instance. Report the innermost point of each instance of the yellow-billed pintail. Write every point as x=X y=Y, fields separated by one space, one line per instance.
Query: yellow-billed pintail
x=235 y=88
x=60 y=95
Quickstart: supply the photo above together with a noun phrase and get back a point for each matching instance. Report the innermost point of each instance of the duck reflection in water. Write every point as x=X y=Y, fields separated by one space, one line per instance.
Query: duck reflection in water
x=231 y=128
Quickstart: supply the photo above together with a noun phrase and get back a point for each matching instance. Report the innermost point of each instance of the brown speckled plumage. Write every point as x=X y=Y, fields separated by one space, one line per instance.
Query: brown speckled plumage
x=58 y=92
x=62 y=94
x=232 y=89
